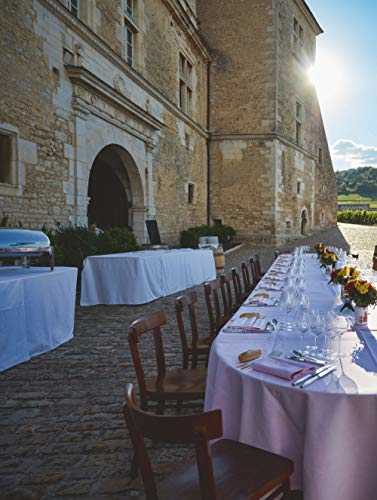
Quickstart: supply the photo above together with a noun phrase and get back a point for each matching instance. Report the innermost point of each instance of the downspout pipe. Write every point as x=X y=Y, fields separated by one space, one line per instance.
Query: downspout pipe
x=208 y=145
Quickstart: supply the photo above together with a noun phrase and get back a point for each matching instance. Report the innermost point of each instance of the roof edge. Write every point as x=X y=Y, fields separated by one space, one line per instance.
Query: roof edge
x=305 y=9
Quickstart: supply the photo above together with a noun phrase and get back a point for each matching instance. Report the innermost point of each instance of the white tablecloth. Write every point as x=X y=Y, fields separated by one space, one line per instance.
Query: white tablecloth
x=329 y=432
x=37 y=309
x=140 y=277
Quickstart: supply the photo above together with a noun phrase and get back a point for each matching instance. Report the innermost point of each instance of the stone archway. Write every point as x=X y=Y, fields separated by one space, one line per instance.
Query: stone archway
x=115 y=189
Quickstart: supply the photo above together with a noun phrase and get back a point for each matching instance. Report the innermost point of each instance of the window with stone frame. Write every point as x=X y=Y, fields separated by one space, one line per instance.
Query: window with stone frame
x=190 y=193
x=320 y=156
x=298 y=121
x=131 y=31
x=298 y=38
x=6 y=158
x=73 y=6
x=82 y=9
x=185 y=84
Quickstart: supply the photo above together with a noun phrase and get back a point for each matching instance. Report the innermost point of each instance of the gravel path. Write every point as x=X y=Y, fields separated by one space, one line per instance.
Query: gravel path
x=62 y=432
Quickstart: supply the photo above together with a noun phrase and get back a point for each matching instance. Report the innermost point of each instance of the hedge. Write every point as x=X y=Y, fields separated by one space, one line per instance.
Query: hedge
x=73 y=244
x=364 y=217
x=190 y=237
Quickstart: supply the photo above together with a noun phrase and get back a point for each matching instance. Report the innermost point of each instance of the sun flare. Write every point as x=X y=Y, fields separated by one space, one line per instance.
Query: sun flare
x=329 y=77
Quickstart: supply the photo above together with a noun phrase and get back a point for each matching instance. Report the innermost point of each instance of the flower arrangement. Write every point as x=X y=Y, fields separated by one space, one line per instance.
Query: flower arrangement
x=362 y=292
x=328 y=258
x=319 y=248
x=343 y=275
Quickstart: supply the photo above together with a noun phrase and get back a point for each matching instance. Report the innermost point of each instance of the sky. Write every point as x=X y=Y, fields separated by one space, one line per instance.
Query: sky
x=345 y=76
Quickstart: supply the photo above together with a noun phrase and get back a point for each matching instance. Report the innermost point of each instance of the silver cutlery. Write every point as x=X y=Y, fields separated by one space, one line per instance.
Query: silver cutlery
x=307 y=358
x=316 y=372
x=324 y=373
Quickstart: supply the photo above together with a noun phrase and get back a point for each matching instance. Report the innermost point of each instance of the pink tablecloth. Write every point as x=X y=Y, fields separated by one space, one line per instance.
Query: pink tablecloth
x=328 y=429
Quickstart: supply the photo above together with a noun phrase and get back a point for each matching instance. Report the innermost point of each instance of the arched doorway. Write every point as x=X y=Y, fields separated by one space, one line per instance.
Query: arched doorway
x=114 y=187
x=304 y=221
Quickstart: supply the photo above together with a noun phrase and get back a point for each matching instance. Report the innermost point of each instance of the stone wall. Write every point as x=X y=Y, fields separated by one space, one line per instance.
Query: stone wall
x=262 y=180
x=82 y=97
x=67 y=93
x=300 y=161
x=27 y=108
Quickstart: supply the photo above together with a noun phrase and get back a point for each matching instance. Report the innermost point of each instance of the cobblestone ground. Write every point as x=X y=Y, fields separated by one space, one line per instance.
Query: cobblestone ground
x=61 y=429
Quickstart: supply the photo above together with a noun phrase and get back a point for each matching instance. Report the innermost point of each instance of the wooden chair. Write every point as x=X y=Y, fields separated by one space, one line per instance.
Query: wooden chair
x=198 y=347
x=168 y=385
x=258 y=266
x=225 y=470
x=217 y=306
x=254 y=272
x=247 y=281
x=241 y=293
x=229 y=294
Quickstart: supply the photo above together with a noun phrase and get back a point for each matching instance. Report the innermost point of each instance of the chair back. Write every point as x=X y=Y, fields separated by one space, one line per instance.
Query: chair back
x=150 y=325
x=217 y=305
x=194 y=429
x=187 y=303
x=229 y=298
x=246 y=277
x=254 y=271
x=237 y=286
x=258 y=266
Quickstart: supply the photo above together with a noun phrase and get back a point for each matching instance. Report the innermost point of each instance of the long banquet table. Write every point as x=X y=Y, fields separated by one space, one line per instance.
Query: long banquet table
x=140 y=277
x=37 y=310
x=329 y=428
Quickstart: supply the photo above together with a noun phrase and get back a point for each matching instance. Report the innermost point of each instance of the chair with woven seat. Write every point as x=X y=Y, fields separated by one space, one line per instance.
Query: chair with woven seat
x=168 y=385
x=198 y=347
x=226 y=470
x=217 y=306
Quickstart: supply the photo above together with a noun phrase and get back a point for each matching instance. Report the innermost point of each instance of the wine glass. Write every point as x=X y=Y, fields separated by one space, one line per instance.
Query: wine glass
x=345 y=382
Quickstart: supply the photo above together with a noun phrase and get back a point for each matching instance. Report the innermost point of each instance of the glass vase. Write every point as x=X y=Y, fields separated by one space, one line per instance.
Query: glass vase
x=361 y=315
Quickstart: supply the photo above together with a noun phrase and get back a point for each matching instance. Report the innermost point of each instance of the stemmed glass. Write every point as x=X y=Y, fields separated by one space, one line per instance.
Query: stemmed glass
x=346 y=383
x=318 y=328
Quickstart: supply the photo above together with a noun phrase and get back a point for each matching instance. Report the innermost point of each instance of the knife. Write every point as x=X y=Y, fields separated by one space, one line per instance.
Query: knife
x=310 y=375
x=318 y=376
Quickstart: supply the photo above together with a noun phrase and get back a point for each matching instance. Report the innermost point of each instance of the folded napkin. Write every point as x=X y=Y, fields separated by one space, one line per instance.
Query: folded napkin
x=282 y=368
x=271 y=285
x=246 y=325
x=279 y=270
x=261 y=301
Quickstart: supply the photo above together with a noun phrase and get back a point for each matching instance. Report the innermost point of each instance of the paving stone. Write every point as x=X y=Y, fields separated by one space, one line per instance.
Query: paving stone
x=61 y=420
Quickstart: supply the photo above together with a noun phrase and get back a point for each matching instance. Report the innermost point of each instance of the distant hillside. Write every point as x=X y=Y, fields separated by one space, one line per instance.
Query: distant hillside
x=357 y=183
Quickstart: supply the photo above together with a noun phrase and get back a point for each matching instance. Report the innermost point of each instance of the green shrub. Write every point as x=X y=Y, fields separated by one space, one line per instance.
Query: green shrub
x=190 y=237
x=364 y=217
x=73 y=244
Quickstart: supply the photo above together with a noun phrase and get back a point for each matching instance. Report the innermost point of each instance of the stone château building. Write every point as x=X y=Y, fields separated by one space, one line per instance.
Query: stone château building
x=184 y=111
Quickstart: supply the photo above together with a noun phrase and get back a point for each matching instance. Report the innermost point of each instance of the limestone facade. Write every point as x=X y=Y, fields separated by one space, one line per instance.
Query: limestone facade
x=271 y=174
x=122 y=86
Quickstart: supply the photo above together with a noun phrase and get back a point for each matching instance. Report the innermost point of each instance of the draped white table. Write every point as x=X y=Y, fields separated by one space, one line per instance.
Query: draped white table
x=328 y=430
x=140 y=277
x=37 y=310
